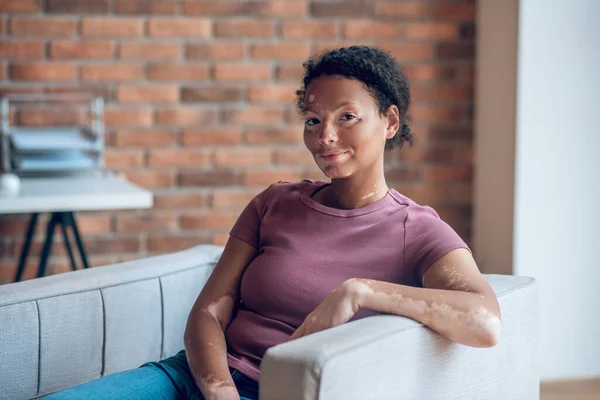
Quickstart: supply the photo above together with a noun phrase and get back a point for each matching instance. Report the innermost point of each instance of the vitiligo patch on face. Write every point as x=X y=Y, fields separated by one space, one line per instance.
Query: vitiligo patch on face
x=311 y=98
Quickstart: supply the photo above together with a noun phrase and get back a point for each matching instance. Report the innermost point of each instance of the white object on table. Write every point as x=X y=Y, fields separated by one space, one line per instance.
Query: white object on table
x=75 y=193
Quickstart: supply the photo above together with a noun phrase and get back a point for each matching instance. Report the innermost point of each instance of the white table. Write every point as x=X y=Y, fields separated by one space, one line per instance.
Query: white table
x=62 y=197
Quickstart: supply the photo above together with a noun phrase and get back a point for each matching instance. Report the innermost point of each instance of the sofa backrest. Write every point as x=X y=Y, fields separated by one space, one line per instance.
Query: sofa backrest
x=62 y=330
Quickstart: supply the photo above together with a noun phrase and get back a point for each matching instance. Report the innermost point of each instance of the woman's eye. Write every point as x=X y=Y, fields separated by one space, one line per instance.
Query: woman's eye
x=348 y=117
x=311 y=122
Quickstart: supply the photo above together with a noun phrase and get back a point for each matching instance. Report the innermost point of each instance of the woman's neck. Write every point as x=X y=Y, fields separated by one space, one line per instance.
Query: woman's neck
x=352 y=193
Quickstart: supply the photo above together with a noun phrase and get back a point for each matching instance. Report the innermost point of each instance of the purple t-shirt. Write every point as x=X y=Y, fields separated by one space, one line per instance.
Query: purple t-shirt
x=306 y=249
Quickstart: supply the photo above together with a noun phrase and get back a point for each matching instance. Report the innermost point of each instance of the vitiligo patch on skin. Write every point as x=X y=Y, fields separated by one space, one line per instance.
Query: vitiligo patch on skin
x=311 y=98
x=440 y=316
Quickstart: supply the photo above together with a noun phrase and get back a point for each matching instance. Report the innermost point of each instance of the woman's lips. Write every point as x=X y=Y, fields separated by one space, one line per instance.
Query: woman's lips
x=328 y=157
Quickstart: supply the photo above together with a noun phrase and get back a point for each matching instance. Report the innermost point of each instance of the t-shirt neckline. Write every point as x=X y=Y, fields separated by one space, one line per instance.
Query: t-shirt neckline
x=314 y=186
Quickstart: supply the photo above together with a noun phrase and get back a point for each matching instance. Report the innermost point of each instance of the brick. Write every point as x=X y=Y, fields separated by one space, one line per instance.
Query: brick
x=267 y=177
x=408 y=51
x=242 y=71
x=348 y=8
x=145 y=7
x=455 y=51
x=161 y=243
x=294 y=156
x=213 y=177
x=144 y=138
x=20 y=6
x=281 y=51
x=448 y=173
x=422 y=73
x=148 y=94
x=42 y=71
x=220 y=239
x=431 y=31
x=98 y=90
x=112 y=27
x=177 y=158
x=81 y=49
x=150 y=51
x=43 y=26
x=146 y=223
x=211 y=136
x=244 y=28
x=113 y=245
x=151 y=179
x=254 y=116
x=185 y=116
x=128 y=116
x=272 y=94
x=91 y=224
x=212 y=94
x=396 y=9
x=3 y=24
x=430 y=113
x=121 y=72
x=229 y=199
x=453 y=92
x=241 y=157
x=289 y=73
x=213 y=220
x=456 y=11
x=445 y=133
x=443 y=153
x=178 y=72
x=315 y=175
x=3 y=73
x=309 y=29
x=278 y=8
x=406 y=173
x=21 y=49
x=179 y=200
x=292 y=116
x=52 y=116
x=274 y=136
x=361 y=29
x=77 y=7
x=179 y=27
x=216 y=51
x=118 y=159
x=213 y=8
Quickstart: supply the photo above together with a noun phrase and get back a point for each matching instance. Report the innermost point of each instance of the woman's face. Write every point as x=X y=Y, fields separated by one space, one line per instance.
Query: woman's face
x=343 y=128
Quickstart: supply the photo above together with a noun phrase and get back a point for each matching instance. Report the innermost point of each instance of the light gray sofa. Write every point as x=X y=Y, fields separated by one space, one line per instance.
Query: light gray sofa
x=62 y=330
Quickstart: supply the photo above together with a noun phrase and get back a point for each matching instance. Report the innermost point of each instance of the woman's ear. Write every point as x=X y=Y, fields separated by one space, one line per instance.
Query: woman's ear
x=392 y=118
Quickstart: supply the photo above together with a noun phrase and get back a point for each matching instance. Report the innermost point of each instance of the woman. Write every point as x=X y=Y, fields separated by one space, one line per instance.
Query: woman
x=308 y=256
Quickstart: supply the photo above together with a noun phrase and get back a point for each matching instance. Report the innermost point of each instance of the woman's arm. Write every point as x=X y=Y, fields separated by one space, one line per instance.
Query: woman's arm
x=204 y=337
x=455 y=301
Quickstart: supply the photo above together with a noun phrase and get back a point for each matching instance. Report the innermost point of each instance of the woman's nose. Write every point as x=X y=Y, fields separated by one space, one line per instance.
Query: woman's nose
x=328 y=134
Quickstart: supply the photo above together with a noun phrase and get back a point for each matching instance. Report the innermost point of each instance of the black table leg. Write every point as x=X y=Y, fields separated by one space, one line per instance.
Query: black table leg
x=26 y=245
x=82 y=252
x=64 y=222
x=47 y=244
x=65 y=219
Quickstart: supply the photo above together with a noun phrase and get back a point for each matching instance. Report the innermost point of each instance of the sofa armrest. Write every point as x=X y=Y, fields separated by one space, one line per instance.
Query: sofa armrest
x=392 y=357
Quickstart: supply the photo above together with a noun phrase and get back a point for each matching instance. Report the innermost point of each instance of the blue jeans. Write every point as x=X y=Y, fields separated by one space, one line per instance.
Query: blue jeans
x=168 y=379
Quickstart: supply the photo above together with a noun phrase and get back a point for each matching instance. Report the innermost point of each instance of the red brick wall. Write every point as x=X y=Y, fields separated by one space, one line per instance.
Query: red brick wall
x=200 y=104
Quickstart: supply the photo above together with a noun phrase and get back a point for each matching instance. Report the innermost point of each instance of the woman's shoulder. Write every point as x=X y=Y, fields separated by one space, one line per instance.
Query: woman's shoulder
x=294 y=187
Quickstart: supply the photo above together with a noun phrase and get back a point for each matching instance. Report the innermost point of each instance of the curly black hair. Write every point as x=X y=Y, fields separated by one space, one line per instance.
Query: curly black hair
x=381 y=74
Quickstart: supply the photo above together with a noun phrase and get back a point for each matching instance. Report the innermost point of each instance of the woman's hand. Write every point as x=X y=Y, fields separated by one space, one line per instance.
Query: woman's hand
x=337 y=309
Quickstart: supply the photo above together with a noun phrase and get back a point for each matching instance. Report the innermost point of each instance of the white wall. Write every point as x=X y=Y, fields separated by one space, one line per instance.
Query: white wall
x=557 y=178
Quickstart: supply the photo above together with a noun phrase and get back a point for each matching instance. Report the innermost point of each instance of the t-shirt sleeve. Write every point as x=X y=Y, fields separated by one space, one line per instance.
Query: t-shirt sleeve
x=427 y=238
x=247 y=226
